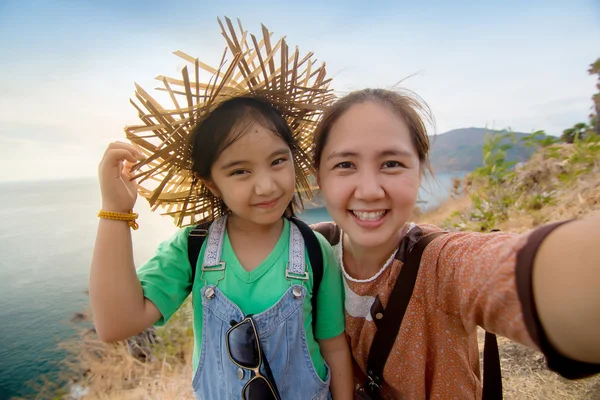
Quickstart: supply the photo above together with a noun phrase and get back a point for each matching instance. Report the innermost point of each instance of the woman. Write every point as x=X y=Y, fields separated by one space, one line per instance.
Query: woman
x=539 y=288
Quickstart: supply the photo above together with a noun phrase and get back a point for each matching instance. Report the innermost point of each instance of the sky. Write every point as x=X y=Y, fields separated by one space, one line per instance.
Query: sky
x=67 y=68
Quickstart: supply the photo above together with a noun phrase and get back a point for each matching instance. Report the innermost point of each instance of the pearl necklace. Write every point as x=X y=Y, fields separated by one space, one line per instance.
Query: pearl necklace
x=383 y=268
x=347 y=276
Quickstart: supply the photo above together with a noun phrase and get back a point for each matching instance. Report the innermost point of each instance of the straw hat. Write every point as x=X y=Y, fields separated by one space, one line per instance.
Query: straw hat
x=292 y=83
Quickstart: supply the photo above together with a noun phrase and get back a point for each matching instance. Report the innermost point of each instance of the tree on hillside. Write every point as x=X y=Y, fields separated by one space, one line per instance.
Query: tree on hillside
x=582 y=130
x=538 y=139
x=595 y=124
x=578 y=131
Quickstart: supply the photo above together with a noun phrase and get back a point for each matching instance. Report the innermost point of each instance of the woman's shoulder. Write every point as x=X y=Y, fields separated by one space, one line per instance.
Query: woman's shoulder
x=329 y=230
x=426 y=228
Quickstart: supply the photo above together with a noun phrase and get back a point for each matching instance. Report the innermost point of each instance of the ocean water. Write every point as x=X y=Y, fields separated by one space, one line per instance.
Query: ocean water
x=47 y=234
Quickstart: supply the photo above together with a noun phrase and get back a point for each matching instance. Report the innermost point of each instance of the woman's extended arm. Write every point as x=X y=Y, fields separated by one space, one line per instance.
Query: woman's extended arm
x=566 y=288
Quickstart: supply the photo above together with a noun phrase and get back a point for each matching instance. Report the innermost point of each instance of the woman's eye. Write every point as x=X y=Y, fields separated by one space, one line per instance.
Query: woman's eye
x=344 y=165
x=393 y=164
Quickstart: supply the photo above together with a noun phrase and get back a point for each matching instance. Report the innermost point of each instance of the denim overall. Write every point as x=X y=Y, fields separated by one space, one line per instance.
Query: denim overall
x=280 y=330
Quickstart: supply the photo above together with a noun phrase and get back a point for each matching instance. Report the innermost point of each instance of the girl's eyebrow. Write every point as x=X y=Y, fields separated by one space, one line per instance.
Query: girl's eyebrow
x=235 y=163
x=281 y=152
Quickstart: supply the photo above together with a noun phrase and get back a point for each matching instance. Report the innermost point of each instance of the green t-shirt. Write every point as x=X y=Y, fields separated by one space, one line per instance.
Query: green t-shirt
x=166 y=280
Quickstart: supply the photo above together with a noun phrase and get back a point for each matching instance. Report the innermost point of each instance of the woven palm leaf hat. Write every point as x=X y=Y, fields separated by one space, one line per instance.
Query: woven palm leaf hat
x=292 y=83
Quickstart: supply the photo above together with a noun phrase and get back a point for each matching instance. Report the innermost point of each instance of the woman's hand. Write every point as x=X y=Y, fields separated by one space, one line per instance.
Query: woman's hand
x=119 y=192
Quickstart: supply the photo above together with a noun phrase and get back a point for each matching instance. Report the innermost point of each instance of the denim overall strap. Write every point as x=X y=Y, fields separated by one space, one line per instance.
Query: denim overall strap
x=214 y=244
x=214 y=248
x=296 y=266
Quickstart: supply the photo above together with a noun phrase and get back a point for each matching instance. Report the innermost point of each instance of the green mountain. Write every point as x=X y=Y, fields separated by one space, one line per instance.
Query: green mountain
x=461 y=149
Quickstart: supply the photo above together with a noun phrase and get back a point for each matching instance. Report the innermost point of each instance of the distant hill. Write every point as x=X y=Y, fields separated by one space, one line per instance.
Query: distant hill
x=461 y=149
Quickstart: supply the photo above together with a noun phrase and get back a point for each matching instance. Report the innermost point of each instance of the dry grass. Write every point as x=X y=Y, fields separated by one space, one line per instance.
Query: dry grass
x=525 y=376
x=112 y=373
x=102 y=371
x=437 y=215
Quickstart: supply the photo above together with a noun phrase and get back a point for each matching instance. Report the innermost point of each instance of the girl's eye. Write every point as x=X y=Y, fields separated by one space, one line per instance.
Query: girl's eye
x=392 y=164
x=238 y=172
x=279 y=161
x=344 y=165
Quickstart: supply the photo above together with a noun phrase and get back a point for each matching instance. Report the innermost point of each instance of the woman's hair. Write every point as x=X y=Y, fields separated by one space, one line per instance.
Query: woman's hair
x=226 y=124
x=407 y=105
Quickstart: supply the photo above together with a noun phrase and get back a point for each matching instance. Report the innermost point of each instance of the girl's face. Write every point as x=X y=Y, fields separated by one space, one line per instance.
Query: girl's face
x=255 y=176
x=370 y=174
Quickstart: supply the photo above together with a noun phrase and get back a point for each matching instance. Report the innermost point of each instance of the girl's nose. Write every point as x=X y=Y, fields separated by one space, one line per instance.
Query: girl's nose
x=265 y=185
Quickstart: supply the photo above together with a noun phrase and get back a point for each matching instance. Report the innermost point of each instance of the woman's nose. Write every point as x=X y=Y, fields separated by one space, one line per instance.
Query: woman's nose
x=368 y=187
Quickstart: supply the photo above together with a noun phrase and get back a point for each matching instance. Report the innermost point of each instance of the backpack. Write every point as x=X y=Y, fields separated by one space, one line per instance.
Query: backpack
x=199 y=232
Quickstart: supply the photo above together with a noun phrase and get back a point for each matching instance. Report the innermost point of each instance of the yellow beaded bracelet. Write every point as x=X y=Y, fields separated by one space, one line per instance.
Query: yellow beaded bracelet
x=130 y=217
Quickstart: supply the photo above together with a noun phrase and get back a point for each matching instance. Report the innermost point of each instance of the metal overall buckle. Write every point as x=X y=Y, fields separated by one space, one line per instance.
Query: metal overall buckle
x=290 y=275
x=213 y=268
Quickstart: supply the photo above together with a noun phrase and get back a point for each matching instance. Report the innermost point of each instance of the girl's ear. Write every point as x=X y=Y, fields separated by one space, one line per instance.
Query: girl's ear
x=209 y=184
x=212 y=187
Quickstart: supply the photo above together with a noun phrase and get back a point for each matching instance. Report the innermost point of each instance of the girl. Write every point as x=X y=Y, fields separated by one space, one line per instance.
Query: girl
x=539 y=288
x=253 y=320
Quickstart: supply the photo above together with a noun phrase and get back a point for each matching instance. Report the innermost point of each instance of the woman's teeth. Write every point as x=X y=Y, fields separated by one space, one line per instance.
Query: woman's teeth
x=368 y=216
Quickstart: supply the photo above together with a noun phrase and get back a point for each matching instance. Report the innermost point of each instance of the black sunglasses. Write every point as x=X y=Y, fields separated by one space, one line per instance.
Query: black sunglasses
x=244 y=351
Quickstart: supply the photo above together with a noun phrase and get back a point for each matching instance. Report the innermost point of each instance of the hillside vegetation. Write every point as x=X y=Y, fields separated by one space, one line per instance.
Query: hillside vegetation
x=460 y=150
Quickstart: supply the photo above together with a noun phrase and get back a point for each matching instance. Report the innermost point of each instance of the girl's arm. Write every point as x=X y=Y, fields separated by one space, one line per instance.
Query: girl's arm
x=566 y=288
x=330 y=325
x=119 y=307
x=336 y=353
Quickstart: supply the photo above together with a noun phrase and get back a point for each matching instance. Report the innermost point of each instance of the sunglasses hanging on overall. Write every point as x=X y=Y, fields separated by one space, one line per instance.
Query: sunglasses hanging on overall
x=245 y=351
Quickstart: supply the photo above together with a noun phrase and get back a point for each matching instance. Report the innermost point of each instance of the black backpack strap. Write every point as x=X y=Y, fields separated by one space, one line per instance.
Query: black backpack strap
x=315 y=256
x=195 y=239
x=389 y=324
x=492 y=374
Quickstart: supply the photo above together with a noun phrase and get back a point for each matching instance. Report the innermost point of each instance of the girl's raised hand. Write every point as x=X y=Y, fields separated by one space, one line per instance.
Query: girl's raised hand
x=118 y=191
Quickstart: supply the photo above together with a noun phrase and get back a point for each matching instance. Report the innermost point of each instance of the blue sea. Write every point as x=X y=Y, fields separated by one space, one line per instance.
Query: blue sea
x=46 y=237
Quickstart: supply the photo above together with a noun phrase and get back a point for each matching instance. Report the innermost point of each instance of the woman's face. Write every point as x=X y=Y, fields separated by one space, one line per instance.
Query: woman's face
x=370 y=174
